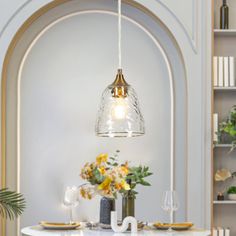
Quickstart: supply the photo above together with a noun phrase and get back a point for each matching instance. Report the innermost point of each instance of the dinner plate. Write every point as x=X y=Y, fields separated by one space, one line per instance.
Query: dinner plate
x=174 y=226
x=182 y=226
x=162 y=226
x=59 y=226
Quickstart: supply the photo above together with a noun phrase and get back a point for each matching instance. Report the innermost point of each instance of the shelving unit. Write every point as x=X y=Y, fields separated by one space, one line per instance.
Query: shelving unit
x=224 y=98
x=224 y=202
x=224 y=88
x=229 y=32
x=222 y=145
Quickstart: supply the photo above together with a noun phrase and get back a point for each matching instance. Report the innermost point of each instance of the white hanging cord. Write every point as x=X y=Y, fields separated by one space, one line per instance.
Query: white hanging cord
x=119 y=33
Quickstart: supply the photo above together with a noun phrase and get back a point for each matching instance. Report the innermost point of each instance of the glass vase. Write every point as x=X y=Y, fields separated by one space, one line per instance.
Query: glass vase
x=128 y=206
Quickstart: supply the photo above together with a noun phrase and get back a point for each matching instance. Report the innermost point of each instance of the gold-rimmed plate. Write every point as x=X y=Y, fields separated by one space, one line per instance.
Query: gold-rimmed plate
x=161 y=226
x=59 y=226
x=174 y=226
x=182 y=226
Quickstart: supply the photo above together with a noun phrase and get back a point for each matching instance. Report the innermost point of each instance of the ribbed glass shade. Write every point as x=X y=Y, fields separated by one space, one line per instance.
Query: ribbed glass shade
x=119 y=114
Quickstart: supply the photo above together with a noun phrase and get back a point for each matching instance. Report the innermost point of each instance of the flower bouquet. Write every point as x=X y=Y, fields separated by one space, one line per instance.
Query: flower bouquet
x=107 y=177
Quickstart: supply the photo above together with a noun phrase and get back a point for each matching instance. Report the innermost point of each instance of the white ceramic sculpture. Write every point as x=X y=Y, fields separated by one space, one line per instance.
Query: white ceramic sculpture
x=125 y=224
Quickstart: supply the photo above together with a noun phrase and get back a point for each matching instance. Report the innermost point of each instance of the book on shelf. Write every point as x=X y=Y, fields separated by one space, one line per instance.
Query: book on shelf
x=221 y=72
x=214 y=232
x=220 y=231
x=227 y=232
x=224 y=71
x=231 y=71
x=215 y=71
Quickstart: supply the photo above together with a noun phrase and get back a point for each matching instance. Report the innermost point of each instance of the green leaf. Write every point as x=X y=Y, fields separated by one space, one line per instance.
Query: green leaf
x=145 y=183
x=98 y=177
x=12 y=204
x=232 y=190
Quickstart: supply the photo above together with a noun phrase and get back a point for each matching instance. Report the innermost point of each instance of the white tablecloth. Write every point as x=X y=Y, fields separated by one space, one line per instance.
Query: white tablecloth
x=39 y=231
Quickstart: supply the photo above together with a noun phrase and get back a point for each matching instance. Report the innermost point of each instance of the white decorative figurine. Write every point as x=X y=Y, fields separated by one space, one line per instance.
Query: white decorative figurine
x=125 y=224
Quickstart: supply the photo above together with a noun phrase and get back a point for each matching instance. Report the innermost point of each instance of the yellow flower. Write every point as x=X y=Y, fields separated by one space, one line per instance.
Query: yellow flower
x=102 y=158
x=83 y=192
x=124 y=185
x=105 y=185
x=102 y=170
x=124 y=169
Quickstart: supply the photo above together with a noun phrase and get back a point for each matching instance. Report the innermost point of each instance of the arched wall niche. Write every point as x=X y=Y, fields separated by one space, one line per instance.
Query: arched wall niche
x=24 y=51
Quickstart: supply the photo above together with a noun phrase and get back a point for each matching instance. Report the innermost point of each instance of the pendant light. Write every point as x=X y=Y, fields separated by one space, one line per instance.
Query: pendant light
x=119 y=114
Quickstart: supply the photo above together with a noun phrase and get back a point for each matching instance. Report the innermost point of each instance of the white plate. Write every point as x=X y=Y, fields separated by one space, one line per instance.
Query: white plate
x=59 y=226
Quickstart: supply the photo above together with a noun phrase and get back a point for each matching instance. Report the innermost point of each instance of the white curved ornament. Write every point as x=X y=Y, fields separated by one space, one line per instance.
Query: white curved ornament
x=125 y=224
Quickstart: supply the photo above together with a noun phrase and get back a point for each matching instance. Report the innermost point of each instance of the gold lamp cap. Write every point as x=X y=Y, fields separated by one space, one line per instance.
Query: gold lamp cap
x=120 y=80
x=119 y=86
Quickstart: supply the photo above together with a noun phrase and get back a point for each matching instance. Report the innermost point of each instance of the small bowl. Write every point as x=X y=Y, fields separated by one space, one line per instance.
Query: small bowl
x=232 y=196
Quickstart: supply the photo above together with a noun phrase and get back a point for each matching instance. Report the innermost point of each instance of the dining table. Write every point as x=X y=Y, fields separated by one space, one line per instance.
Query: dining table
x=37 y=230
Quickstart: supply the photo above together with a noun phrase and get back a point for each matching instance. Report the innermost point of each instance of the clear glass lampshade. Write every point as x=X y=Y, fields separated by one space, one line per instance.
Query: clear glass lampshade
x=119 y=114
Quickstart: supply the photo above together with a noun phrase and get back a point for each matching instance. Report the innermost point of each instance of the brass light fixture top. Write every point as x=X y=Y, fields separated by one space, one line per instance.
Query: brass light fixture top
x=119 y=86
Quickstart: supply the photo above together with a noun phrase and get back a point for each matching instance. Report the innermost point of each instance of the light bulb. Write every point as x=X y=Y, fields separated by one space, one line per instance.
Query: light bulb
x=119 y=110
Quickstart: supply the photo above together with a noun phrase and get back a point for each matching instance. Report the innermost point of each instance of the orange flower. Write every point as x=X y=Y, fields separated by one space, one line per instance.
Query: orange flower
x=118 y=186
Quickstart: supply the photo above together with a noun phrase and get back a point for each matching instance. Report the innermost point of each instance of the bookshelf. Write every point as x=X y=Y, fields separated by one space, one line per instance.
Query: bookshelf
x=229 y=32
x=224 y=41
x=224 y=88
x=224 y=202
x=222 y=145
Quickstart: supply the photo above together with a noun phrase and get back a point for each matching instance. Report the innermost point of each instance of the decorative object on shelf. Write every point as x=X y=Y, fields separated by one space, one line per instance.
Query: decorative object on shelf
x=232 y=193
x=125 y=224
x=224 y=15
x=71 y=200
x=119 y=114
x=12 y=204
x=227 y=128
x=220 y=196
x=170 y=203
x=107 y=205
x=107 y=177
x=222 y=175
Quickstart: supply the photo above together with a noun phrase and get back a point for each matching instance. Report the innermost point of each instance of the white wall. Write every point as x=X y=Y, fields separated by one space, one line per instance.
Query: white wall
x=61 y=85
